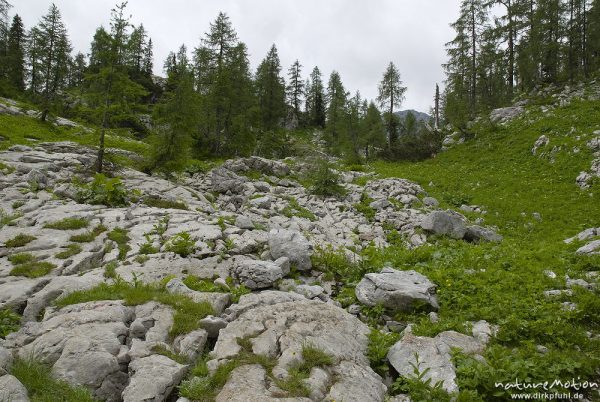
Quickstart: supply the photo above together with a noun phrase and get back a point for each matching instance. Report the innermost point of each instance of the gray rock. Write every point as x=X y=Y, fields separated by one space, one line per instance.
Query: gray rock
x=310 y=292
x=293 y=245
x=541 y=142
x=397 y=290
x=243 y=222
x=11 y=389
x=380 y=204
x=434 y=355
x=258 y=274
x=253 y=300
x=431 y=202
x=261 y=203
x=224 y=181
x=477 y=234
x=152 y=379
x=590 y=248
x=218 y=301
x=504 y=115
x=191 y=345
x=445 y=223
x=213 y=325
x=6 y=359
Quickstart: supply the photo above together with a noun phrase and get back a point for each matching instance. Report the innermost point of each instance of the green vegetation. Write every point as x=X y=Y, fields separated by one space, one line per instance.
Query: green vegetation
x=7 y=219
x=33 y=269
x=294 y=384
x=364 y=207
x=295 y=209
x=166 y=204
x=68 y=224
x=41 y=387
x=110 y=270
x=120 y=236
x=147 y=247
x=21 y=258
x=187 y=312
x=379 y=344
x=103 y=191
x=325 y=181
x=89 y=236
x=70 y=251
x=19 y=240
x=9 y=322
x=182 y=244
x=163 y=350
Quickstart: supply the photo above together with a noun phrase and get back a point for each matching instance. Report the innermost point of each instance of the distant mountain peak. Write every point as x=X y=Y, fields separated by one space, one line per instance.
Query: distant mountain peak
x=419 y=115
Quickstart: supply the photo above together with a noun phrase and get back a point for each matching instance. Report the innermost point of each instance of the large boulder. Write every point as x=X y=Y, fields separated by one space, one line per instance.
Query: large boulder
x=255 y=163
x=152 y=379
x=258 y=274
x=11 y=389
x=434 y=356
x=280 y=331
x=397 y=290
x=293 y=245
x=479 y=234
x=505 y=114
x=445 y=223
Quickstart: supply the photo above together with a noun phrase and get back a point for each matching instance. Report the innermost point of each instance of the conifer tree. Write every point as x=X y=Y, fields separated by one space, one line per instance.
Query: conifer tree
x=295 y=88
x=270 y=91
x=4 y=7
x=391 y=95
x=373 y=131
x=53 y=47
x=315 y=99
x=336 y=124
x=15 y=54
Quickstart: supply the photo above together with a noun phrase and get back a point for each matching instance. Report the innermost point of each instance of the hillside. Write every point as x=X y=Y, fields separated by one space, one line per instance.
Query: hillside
x=420 y=116
x=236 y=277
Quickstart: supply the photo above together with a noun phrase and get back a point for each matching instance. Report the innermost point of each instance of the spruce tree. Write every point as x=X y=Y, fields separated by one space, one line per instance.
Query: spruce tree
x=4 y=7
x=315 y=99
x=15 y=54
x=54 y=50
x=270 y=91
x=336 y=124
x=372 y=131
x=391 y=95
x=295 y=88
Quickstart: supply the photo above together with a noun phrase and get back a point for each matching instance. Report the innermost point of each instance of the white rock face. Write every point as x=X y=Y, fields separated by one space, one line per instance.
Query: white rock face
x=152 y=379
x=258 y=274
x=293 y=245
x=506 y=114
x=11 y=389
x=397 y=290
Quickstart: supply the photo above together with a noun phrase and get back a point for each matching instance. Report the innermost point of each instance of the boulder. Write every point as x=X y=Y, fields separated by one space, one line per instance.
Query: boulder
x=478 y=234
x=225 y=181
x=152 y=379
x=293 y=245
x=590 y=248
x=505 y=114
x=243 y=222
x=434 y=356
x=397 y=290
x=445 y=223
x=258 y=274
x=11 y=389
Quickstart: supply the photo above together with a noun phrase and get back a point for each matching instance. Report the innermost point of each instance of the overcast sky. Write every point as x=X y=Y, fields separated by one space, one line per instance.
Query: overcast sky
x=358 y=38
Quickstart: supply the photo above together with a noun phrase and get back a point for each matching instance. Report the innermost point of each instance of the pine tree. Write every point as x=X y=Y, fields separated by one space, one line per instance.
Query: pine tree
x=77 y=71
x=336 y=124
x=391 y=95
x=15 y=55
x=54 y=57
x=354 y=127
x=270 y=91
x=315 y=99
x=110 y=91
x=436 y=113
x=295 y=88
x=593 y=37
x=4 y=7
x=100 y=50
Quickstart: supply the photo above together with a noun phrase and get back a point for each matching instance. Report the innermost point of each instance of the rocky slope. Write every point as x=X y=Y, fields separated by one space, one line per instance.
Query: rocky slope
x=247 y=225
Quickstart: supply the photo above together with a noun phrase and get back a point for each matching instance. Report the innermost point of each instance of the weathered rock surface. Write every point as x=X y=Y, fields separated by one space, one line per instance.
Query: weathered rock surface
x=293 y=245
x=397 y=290
x=280 y=330
x=258 y=274
x=11 y=389
x=506 y=114
x=445 y=223
x=434 y=354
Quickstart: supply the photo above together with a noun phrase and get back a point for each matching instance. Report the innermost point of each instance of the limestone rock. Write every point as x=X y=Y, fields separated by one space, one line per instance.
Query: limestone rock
x=258 y=274
x=293 y=245
x=397 y=290
x=152 y=379
x=445 y=223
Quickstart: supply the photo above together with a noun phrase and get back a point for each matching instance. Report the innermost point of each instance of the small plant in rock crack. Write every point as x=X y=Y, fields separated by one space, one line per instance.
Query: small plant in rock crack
x=182 y=243
x=104 y=191
x=160 y=228
x=418 y=386
x=148 y=247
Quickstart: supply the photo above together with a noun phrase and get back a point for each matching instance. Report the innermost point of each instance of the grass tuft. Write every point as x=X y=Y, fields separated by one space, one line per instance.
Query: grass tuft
x=68 y=224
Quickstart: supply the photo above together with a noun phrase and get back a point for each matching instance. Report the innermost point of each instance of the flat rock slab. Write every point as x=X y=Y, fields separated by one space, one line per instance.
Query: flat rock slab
x=152 y=379
x=397 y=290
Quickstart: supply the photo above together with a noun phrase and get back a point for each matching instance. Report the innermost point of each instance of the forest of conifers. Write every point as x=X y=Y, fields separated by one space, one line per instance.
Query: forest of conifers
x=211 y=103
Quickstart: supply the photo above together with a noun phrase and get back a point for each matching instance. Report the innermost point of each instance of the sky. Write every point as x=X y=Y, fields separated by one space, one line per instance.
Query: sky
x=357 y=38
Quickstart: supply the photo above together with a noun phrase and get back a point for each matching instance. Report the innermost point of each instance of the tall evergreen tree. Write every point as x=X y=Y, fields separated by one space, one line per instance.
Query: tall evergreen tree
x=110 y=91
x=295 y=88
x=391 y=95
x=270 y=91
x=373 y=130
x=15 y=54
x=77 y=71
x=54 y=57
x=4 y=7
x=315 y=99
x=593 y=37
x=336 y=124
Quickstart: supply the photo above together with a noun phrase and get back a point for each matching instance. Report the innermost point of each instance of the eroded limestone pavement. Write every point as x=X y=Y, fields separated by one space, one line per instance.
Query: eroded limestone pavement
x=246 y=232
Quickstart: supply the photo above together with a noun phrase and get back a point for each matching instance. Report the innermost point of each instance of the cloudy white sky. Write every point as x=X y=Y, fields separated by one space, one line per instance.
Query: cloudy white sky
x=358 y=38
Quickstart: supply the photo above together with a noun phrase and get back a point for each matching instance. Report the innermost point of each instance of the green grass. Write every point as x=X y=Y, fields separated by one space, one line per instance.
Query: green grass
x=295 y=209
x=187 y=312
x=70 y=251
x=294 y=384
x=165 y=204
x=33 y=269
x=20 y=240
x=163 y=350
x=22 y=258
x=90 y=236
x=68 y=224
x=364 y=208
x=9 y=322
x=120 y=236
x=42 y=387
x=503 y=283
